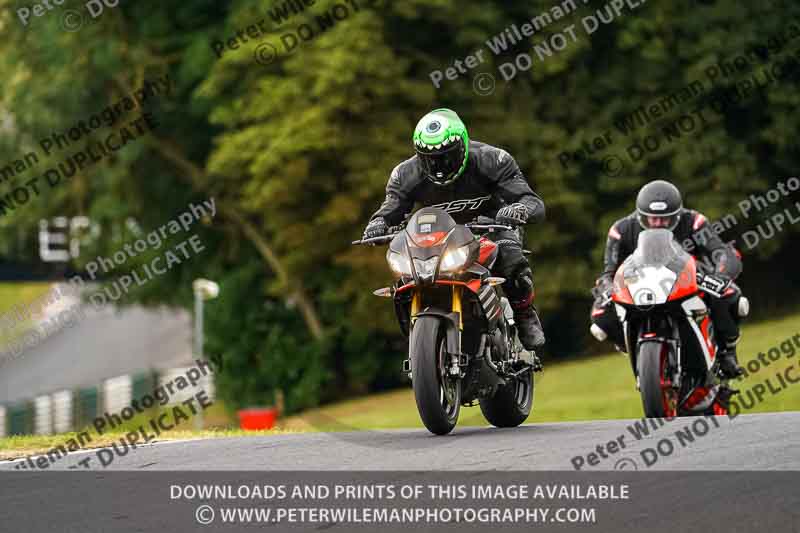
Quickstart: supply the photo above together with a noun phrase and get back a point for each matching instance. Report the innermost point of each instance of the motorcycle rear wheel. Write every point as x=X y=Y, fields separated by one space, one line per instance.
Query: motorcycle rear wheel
x=438 y=395
x=511 y=404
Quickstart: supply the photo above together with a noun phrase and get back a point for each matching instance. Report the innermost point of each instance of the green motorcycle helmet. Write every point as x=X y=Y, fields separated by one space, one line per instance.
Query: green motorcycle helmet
x=442 y=145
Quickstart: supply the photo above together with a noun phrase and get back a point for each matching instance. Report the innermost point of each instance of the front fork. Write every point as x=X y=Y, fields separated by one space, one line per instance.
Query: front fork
x=457 y=359
x=458 y=291
x=674 y=351
x=675 y=356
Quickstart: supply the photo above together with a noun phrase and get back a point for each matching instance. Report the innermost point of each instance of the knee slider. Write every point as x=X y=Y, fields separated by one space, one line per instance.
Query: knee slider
x=598 y=332
x=743 y=307
x=523 y=278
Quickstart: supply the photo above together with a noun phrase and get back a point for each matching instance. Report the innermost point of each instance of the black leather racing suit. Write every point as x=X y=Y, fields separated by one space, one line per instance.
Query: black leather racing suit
x=697 y=236
x=491 y=180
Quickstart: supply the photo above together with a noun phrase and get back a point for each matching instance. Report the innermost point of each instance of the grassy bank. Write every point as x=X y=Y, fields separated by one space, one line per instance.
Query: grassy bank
x=12 y=294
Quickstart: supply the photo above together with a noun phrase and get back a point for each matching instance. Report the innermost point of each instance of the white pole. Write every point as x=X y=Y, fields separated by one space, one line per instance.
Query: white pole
x=203 y=290
x=198 y=324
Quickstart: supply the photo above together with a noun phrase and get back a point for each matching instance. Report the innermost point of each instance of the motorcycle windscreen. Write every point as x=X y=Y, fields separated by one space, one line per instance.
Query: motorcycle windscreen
x=658 y=248
x=429 y=227
x=649 y=275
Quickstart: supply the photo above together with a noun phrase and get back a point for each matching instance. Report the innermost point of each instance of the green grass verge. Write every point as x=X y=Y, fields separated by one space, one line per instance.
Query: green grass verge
x=12 y=294
x=18 y=446
x=21 y=446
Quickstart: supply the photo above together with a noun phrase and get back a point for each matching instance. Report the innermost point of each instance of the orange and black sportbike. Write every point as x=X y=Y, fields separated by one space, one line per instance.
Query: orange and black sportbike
x=463 y=345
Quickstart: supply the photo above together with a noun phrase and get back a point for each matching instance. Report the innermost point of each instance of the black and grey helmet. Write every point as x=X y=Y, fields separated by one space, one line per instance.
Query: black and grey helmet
x=659 y=205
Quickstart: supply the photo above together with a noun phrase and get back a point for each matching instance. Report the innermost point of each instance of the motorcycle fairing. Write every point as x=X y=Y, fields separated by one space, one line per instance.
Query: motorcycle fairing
x=653 y=285
x=488 y=252
x=649 y=275
x=430 y=233
x=699 y=323
x=693 y=307
x=490 y=302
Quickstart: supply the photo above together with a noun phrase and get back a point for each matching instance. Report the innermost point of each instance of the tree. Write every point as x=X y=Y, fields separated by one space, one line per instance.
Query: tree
x=296 y=150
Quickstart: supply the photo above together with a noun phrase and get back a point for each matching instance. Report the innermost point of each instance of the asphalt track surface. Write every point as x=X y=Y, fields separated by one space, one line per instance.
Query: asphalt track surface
x=745 y=443
x=106 y=344
x=738 y=475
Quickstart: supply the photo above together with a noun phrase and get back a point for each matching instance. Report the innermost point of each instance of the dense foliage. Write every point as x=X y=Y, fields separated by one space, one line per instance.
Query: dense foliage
x=297 y=151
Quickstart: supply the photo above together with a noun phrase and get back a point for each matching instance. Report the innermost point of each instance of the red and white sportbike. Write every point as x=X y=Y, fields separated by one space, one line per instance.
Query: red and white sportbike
x=659 y=297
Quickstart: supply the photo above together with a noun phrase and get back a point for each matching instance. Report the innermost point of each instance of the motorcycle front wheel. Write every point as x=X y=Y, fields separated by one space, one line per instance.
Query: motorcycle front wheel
x=658 y=398
x=438 y=394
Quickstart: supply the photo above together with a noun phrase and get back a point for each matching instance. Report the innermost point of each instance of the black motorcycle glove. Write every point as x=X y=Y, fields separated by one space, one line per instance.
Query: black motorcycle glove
x=601 y=291
x=376 y=228
x=713 y=284
x=512 y=215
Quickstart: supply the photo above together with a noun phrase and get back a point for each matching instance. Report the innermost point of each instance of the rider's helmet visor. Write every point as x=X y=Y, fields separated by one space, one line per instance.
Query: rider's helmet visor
x=442 y=165
x=651 y=221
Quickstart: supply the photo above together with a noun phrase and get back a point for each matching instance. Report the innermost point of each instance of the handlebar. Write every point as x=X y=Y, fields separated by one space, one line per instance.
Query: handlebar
x=489 y=227
x=383 y=239
x=479 y=226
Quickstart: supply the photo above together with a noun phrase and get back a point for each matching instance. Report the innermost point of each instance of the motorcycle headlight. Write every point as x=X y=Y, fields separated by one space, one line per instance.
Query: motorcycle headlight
x=399 y=263
x=455 y=259
x=426 y=268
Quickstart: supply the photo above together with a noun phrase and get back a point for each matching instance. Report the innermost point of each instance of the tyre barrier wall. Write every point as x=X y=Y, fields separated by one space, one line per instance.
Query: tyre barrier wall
x=72 y=410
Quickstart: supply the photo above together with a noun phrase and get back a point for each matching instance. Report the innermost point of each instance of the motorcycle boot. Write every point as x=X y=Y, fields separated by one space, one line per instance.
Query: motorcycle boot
x=529 y=327
x=519 y=290
x=728 y=364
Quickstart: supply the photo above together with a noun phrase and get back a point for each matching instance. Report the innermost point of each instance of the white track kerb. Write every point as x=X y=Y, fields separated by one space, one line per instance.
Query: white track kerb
x=158 y=265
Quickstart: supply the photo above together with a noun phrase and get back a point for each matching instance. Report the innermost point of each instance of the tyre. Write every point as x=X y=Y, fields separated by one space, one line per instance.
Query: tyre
x=512 y=403
x=438 y=395
x=658 y=398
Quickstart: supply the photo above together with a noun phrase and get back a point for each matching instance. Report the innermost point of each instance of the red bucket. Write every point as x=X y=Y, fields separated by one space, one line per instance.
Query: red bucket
x=257 y=418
